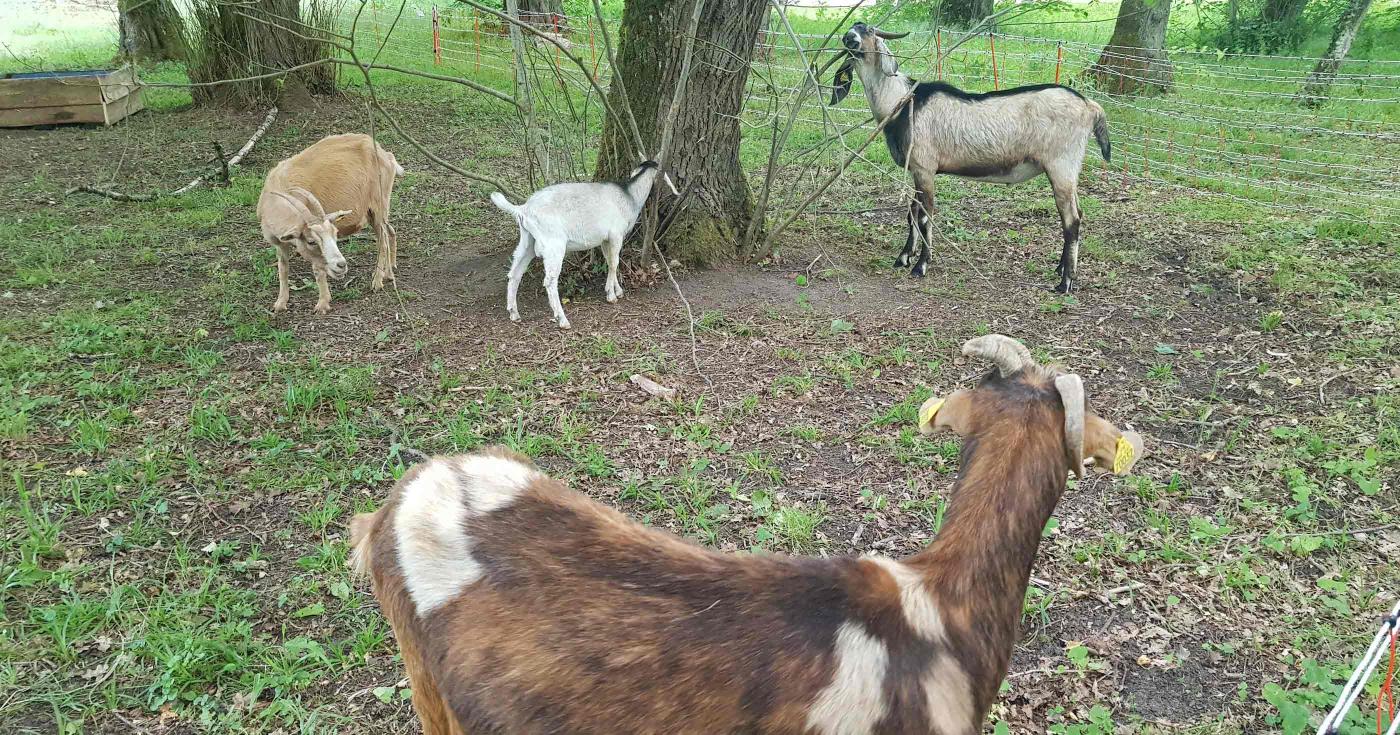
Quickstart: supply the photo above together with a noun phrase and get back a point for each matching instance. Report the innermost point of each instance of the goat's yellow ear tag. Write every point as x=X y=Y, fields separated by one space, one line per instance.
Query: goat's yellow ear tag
x=1122 y=456
x=927 y=412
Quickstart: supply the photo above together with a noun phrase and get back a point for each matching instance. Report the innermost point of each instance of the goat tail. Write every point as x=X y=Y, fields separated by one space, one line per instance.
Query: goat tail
x=361 y=527
x=1101 y=131
x=499 y=199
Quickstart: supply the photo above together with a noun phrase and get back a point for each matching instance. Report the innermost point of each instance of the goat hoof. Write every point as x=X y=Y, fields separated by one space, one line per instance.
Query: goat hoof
x=919 y=270
x=564 y=324
x=322 y=309
x=1065 y=287
x=279 y=306
x=901 y=260
x=515 y=316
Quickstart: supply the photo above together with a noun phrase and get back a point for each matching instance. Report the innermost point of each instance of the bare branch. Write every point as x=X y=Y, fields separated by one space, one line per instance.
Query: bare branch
x=233 y=161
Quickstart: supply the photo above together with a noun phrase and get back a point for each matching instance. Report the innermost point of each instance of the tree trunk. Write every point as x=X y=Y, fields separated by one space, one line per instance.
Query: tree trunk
x=1282 y=11
x=705 y=154
x=963 y=13
x=1134 y=61
x=1316 y=86
x=1280 y=28
x=150 y=29
x=238 y=40
x=542 y=13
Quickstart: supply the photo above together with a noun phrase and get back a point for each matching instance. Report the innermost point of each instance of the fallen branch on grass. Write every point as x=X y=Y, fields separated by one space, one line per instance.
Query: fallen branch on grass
x=224 y=165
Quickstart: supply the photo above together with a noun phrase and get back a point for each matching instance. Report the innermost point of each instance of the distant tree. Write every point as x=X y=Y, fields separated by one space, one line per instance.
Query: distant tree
x=1319 y=82
x=1135 y=59
x=963 y=13
x=150 y=29
x=541 y=12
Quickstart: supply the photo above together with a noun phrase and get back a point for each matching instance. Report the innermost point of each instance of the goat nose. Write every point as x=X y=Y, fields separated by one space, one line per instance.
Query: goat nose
x=851 y=39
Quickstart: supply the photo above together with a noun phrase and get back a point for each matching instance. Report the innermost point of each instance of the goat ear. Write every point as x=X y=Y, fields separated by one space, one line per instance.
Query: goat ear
x=1112 y=450
x=1071 y=390
x=292 y=232
x=951 y=413
x=842 y=82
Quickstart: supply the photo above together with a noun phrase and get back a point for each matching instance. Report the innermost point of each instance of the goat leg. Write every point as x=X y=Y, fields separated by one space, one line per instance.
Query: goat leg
x=524 y=253
x=283 y=275
x=382 y=270
x=1067 y=201
x=613 y=289
x=924 y=196
x=553 y=264
x=323 y=303
x=902 y=260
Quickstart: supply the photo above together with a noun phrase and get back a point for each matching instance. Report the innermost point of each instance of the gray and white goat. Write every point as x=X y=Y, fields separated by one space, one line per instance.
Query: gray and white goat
x=573 y=217
x=1005 y=137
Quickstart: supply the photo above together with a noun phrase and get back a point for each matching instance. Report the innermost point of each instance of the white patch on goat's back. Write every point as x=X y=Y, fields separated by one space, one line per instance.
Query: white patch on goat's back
x=493 y=482
x=854 y=701
x=435 y=552
x=920 y=612
x=948 y=694
x=433 y=548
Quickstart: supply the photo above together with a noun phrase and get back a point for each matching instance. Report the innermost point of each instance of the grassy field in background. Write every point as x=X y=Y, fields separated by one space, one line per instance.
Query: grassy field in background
x=179 y=462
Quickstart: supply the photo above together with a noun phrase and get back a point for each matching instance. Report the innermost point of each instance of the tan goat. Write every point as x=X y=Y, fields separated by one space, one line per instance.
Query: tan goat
x=352 y=178
x=521 y=606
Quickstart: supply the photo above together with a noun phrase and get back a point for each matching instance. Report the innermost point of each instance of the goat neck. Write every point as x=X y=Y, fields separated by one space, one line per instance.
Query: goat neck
x=639 y=188
x=883 y=88
x=1013 y=474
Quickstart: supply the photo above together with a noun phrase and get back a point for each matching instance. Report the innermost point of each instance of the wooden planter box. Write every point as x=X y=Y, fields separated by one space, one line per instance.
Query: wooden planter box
x=56 y=97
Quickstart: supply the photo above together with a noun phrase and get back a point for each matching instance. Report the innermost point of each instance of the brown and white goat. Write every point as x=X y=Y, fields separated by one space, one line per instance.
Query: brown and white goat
x=521 y=606
x=350 y=176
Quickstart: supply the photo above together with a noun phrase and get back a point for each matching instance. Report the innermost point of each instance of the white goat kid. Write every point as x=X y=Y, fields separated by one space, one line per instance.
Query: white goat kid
x=573 y=217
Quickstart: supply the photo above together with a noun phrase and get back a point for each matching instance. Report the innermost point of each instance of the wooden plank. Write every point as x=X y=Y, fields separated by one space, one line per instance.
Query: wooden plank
x=67 y=90
x=96 y=114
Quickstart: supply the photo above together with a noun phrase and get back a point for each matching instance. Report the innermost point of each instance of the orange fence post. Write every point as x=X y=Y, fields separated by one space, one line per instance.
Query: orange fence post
x=938 y=46
x=1059 y=59
x=992 y=41
x=437 y=39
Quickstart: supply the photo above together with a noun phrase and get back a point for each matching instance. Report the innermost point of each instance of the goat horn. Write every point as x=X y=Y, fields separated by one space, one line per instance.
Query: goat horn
x=1006 y=353
x=1071 y=390
x=890 y=36
x=297 y=204
x=312 y=203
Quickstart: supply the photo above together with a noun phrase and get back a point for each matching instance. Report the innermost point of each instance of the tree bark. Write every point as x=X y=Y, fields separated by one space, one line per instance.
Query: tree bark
x=705 y=155
x=1279 y=26
x=963 y=13
x=1135 y=60
x=1316 y=86
x=238 y=40
x=542 y=13
x=150 y=29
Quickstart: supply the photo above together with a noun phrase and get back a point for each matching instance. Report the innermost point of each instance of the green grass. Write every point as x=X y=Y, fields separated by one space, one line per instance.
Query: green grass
x=178 y=464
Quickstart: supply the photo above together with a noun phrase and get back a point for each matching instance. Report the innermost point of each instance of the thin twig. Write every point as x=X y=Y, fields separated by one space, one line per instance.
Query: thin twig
x=667 y=133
